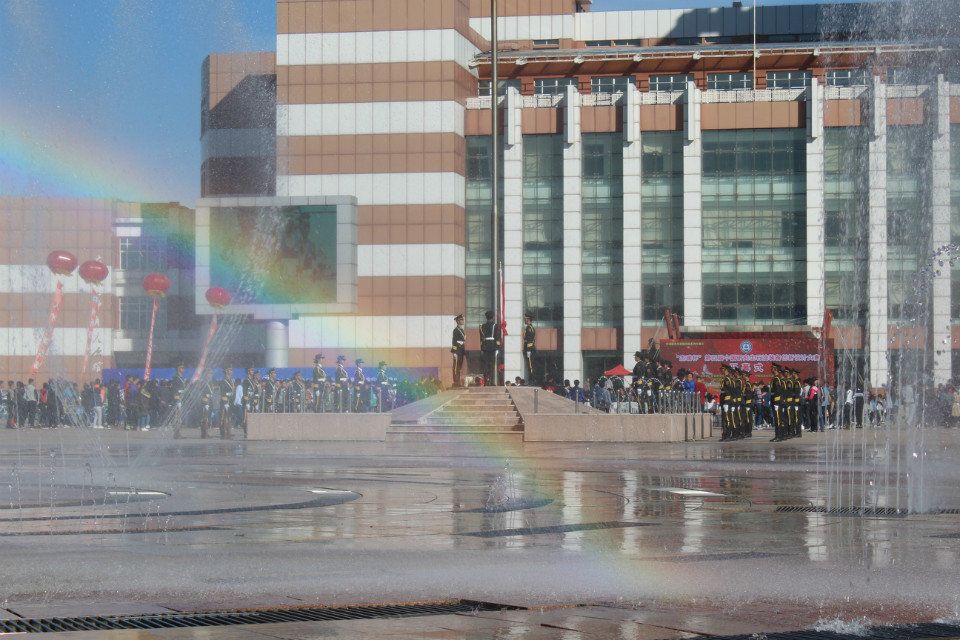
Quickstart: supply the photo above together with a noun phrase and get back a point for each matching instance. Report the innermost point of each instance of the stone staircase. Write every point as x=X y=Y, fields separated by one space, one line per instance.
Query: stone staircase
x=472 y=414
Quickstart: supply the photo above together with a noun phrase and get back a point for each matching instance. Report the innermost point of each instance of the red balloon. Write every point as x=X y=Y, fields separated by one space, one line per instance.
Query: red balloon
x=156 y=284
x=93 y=271
x=218 y=297
x=61 y=262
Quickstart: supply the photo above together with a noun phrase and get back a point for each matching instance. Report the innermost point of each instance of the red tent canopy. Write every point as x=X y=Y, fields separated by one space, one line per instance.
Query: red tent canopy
x=618 y=370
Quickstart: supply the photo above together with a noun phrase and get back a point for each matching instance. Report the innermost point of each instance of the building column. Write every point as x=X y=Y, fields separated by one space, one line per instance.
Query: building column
x=513 y=233
x=877 y=335
x=940 y=230
x=815 y=238
x=278 y=344
x=572 y=234
x=632 y=233
x=692 y=209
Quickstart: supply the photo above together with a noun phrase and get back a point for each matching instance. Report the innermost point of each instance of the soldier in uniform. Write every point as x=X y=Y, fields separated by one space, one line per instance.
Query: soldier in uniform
x=726 y=404
x=319 y=384
x=228 y=389
x=208 y=396
x=529 y=346
x=270 y=389
x=776 y=402
x=458 y=347
x=383 y=384
x=746 y=390
x=177 y=387
x=342 y=380
x=797 y=387
x=361 y=394
x=298 y=393
x=490 y=339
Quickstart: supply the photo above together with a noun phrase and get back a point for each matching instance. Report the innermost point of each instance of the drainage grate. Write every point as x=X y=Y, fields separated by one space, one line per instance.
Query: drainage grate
x=262 y=616
x=892 y=632
x=716 y=557
x=560 y=528
x=884 y=512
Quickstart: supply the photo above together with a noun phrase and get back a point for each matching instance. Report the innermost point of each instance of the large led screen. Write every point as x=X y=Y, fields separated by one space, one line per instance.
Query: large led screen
x=275 y=255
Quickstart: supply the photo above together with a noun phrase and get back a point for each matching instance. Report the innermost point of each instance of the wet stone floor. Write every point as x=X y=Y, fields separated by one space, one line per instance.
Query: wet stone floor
x=594 y=540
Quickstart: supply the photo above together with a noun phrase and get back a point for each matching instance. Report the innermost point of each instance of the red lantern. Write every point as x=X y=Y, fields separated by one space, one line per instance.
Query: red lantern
x=93 y=272
x=218 y=297
x=61 y=262
x=156 y=284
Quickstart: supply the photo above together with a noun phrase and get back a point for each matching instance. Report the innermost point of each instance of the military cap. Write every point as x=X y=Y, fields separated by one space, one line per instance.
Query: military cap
x=528 y=316
x=359 y=360
x=341 y=358
x=488 y=315
x=381 y=364
x=638 y=354
x=318 y=357
x=458 y=317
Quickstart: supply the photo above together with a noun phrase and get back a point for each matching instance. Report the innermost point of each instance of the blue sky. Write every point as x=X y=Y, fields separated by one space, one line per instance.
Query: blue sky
x=102 y=97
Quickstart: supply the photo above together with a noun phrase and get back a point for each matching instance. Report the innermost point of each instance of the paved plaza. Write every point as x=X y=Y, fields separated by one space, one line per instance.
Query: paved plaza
x=110 y=523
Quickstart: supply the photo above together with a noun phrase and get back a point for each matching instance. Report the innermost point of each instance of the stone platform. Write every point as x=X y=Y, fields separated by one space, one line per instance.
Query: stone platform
x=359 y=427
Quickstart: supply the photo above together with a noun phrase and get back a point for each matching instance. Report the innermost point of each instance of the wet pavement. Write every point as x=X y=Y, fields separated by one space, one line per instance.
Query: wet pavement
x=693 y=538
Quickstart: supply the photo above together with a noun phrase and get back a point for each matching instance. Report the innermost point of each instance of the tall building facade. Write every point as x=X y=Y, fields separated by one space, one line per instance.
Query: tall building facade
x=745 y=171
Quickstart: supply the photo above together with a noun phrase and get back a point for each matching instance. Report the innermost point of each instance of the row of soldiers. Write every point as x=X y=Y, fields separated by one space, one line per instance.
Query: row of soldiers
x=225 y=403
x=738 y=408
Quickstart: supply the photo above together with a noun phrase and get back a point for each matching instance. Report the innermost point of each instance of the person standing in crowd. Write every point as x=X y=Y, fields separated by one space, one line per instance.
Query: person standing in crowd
x=342 y=379
x=228 y=387
x=813 y=406
x=529 y=340
x=30 y=398
x=458 y=347
x=177 y=386
x=319 y=384
x=361 y=400
x=491 y=338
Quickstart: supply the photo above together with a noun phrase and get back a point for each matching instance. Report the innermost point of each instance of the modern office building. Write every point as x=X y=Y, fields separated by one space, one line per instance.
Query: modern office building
x=132 y=240
x=746 y=171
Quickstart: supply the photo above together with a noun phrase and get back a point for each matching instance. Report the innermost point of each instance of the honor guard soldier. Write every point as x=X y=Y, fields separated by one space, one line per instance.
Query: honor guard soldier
x=726 y=404
x=177 y=386
x=458 y=347
x=228 y=389
x=249 y=381
x=776 y=402
x=360 y=391
x=270 y=389
x=529 y=346
x=342 y=380
x=748 y=408
x=319 y=384
x=490 y=339
x=383 y=384
x=208 y=396
x=298 y=393
x=797 y=388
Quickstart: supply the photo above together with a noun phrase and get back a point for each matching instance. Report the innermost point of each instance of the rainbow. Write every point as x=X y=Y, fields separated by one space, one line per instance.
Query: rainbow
x=56 y=157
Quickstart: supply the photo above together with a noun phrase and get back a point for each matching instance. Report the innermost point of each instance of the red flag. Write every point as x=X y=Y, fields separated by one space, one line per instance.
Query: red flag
x=503 y=305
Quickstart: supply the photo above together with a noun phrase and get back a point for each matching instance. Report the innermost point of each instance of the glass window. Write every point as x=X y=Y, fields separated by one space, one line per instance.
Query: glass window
x=478 y=228
x=788 y=79
x=610 y=84
x=846 y=230
x=661 y=220
x=142 y=253
x=754 y=226
x=847 y=77
x=483 y=88
x=729 y=81
x=599 y=43
x=135 y=314
x=602 y=229
x=676 y=82
x=908 y=76
x=552 y=86
x=543 y=228
x=547 y=43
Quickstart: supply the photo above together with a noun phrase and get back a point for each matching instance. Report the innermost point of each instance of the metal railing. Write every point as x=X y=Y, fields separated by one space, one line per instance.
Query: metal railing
x=635 y=401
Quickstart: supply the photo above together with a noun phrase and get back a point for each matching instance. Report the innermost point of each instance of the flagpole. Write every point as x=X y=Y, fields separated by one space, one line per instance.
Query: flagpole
x=495 y=177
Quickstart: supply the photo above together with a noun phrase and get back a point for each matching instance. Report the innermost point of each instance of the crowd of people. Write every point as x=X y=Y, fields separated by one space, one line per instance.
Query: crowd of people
x=138 y=404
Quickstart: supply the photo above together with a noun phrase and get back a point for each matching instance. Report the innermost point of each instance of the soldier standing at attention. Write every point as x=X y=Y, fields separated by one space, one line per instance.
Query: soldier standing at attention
x=529 y=346
x=361 y=393
x=319 y=384
x=298 y=393
x=270 y=388
x=776 y=400
x=342 y=379
x=458 y=347
x=748 y=408
x=726 y=401
x=383 y=384
x=490 y=339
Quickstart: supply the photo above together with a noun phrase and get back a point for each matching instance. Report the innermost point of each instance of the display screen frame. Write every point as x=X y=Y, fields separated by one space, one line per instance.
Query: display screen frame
x=344 y=300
